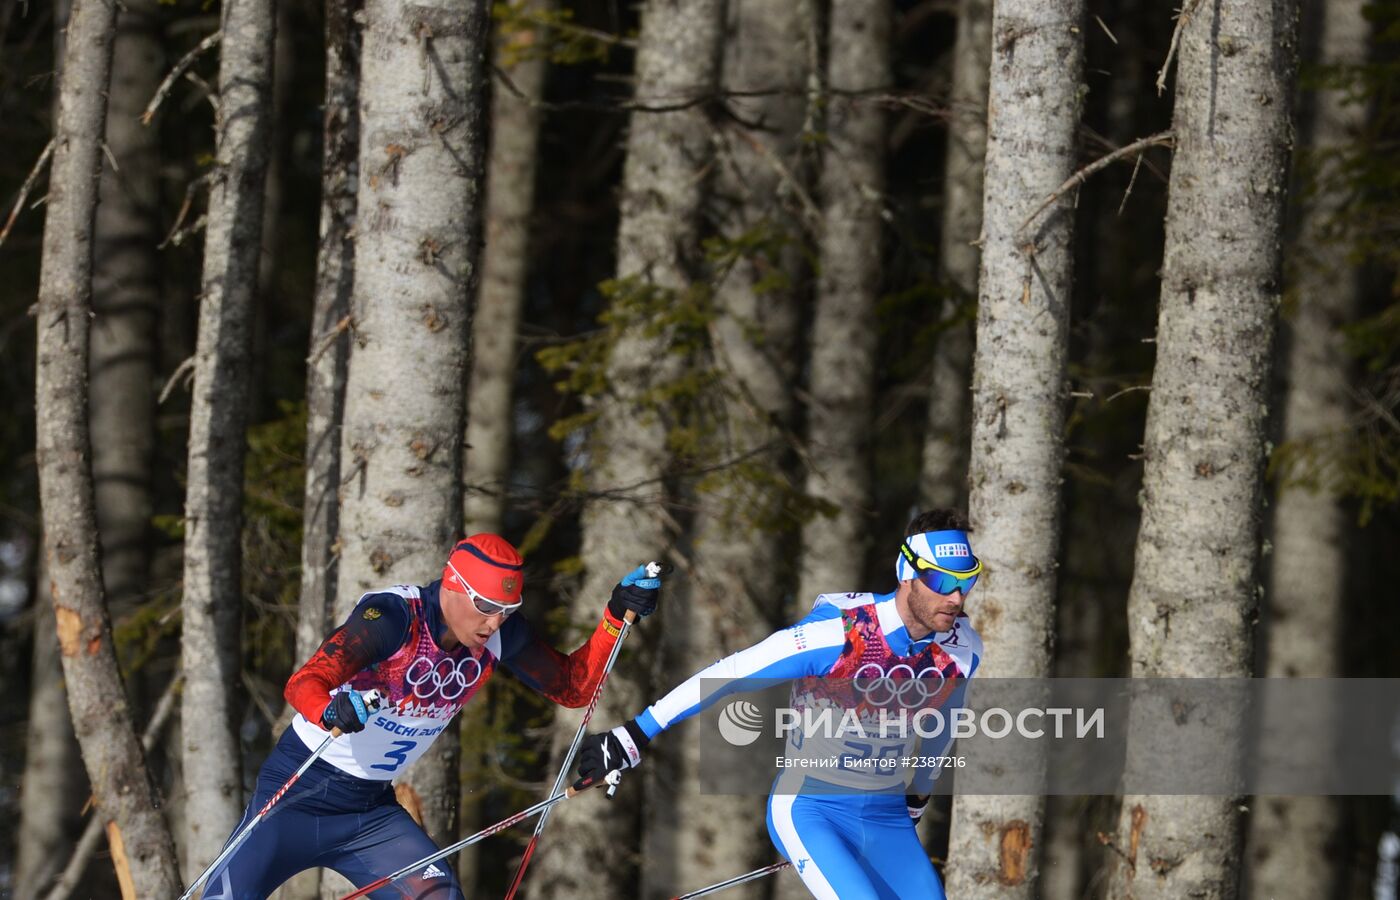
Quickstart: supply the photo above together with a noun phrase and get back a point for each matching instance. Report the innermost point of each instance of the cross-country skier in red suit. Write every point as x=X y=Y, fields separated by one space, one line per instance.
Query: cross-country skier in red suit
x=427 y=650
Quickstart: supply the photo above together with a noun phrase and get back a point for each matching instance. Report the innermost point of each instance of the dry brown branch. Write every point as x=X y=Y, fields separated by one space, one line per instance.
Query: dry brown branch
x=809 y=206
x=111 y=157
x=1078 y=178
x=179 y=237
x=1128 y=390
x=208 y=92
x=1098 y=140
x=185 y=62
x=25 y=189
x=329 y=340
x=1104 y=26
x=185 y=210
x=1131 y=181
x=181 y=369
x=1182 y=18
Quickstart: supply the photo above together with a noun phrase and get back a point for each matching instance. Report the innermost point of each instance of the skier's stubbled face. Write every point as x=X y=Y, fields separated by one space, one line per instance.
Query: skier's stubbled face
x=468 y=625
x=931 y=611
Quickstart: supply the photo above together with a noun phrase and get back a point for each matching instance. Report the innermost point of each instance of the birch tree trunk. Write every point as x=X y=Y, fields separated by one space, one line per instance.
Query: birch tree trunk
x=842 y=384
x=729 y=596
x=121 y=368
x=140 y=844
x=1293 y=840
x=417 y=234
x=328 y=357
x=213 y=602
x=330 y=341
x=510 y=198
x=668 y=154
x=505 y=265
x=1194 y=590
x=1019 y=410
x=53 y=765
x=944 y=475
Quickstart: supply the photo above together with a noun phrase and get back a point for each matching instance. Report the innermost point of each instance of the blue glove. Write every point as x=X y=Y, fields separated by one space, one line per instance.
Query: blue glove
x=346 y=711
x=638 y=592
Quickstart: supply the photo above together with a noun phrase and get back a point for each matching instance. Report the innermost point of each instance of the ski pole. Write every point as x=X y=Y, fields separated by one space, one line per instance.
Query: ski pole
x=373 y=700
x=652 y=580
x=611 y=779
x=737 y=880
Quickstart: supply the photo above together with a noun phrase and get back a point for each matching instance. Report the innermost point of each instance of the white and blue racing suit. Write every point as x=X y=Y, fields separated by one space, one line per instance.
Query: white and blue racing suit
x=848 y=833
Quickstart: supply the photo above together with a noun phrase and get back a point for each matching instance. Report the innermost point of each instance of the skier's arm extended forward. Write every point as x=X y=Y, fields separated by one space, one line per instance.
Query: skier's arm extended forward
x=571 y=680
x=808 y=648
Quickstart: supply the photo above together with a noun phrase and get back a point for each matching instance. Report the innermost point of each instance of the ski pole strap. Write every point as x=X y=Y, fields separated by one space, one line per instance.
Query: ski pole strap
x=736 y=881
x=647 y=577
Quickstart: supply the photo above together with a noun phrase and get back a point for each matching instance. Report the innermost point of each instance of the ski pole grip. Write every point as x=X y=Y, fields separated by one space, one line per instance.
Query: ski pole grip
x=373 y=700
x=612 y=780
x=647 y=577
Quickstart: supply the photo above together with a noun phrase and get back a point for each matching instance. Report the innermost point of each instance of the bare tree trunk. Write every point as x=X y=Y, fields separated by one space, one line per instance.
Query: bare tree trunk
x=663 y=179
x=122 y=369
x=417 y=233
x=141 y=847
x=330 y=332
x=1194 y=588
x=1293 y=840
x=510 y=198
x=733 y=579
x=327 y=359
x=505 y=264
x=843 y=329
x=53 y=765
x=1019 y=410
x=213 y=603
x=944 y=476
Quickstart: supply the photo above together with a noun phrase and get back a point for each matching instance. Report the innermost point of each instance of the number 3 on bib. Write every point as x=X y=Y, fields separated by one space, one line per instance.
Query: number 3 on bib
x=399 y=755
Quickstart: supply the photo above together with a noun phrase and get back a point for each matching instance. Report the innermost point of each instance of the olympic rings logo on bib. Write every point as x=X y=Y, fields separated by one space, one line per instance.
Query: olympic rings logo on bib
x=445 y=678
x=910 y=691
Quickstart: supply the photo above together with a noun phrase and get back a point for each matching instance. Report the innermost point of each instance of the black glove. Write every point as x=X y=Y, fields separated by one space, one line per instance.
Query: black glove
x=916 y=805
x=636 y=592
x=347 y=711
x=620 y=748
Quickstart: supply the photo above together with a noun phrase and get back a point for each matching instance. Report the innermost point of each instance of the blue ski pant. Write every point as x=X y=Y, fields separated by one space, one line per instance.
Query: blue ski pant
x=853 y=846
x=329 y=819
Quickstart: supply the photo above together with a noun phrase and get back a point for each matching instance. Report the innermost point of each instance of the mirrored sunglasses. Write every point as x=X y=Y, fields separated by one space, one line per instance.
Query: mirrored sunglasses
x=485 y=605
x=938 y=579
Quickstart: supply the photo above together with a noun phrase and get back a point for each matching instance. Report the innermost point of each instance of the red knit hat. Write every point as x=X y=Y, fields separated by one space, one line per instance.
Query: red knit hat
x=489 y=563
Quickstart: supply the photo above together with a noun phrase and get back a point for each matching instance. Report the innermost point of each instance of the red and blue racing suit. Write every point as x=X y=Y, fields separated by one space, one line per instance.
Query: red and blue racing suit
x=342 y=814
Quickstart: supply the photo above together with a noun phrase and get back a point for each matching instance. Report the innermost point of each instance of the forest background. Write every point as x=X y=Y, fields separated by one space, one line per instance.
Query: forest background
x=725 y=315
